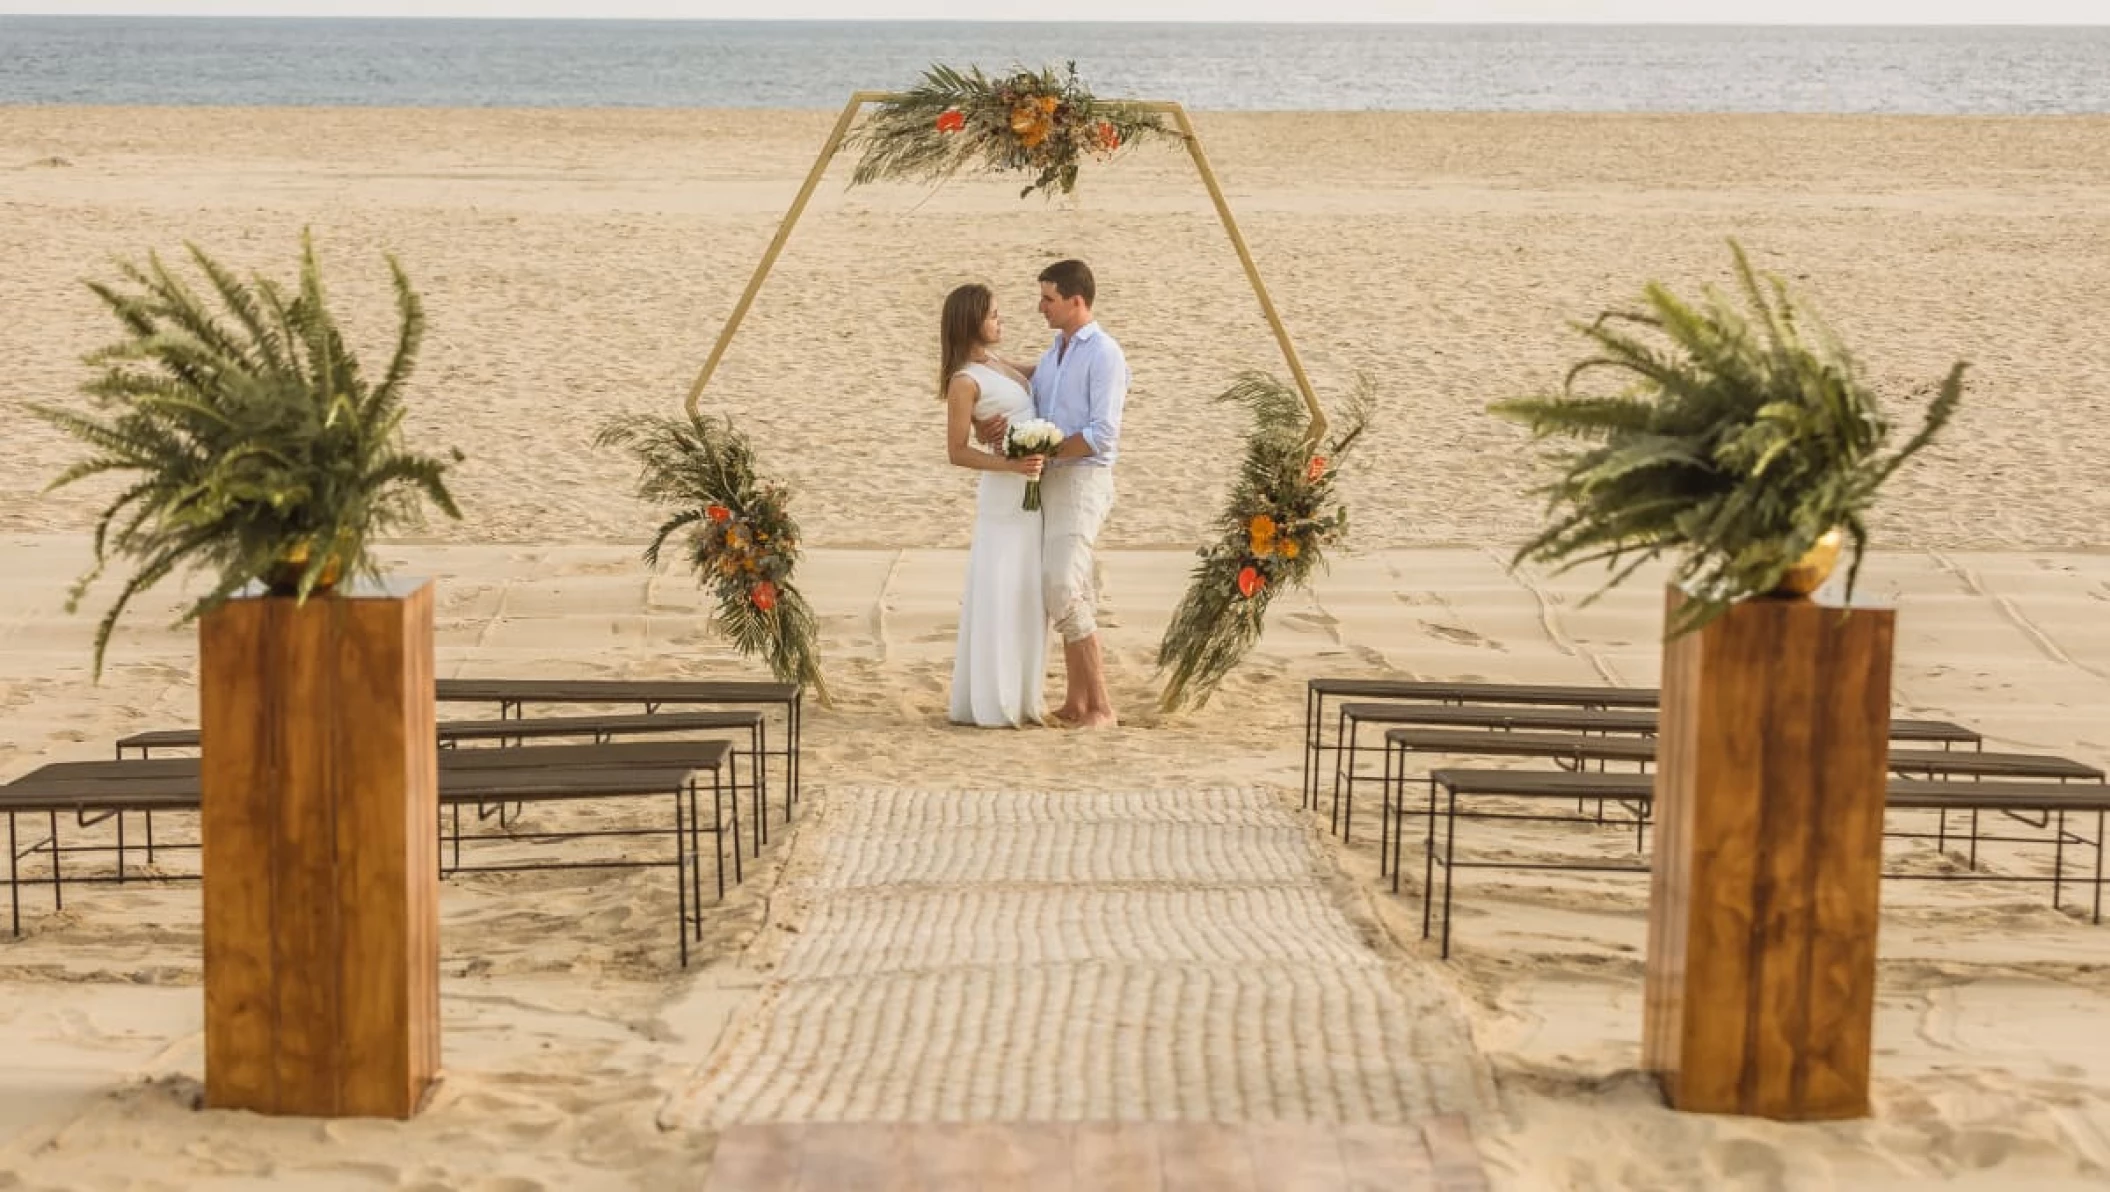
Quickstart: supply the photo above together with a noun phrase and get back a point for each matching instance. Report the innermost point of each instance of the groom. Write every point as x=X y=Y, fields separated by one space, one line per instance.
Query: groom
x=1080 y=385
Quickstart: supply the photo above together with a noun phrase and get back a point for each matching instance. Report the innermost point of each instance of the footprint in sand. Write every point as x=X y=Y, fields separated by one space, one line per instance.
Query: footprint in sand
x=1464 y=637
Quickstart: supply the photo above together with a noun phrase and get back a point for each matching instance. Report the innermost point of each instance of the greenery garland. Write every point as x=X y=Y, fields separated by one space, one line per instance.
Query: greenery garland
x=742 y=542
x=1042 y=123
x=1741 y=440
x=1273 y=533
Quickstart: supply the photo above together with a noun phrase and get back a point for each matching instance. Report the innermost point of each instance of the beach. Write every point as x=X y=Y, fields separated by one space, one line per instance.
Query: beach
x=578 y=264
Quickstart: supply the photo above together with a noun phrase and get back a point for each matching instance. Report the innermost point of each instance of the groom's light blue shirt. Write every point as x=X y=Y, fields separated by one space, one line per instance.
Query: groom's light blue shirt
x=1082 y=391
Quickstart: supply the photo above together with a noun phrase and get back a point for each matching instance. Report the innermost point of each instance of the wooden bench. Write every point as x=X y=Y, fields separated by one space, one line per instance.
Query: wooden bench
x=1318 y=691
x=2050 y=801
x=1623 y=722
x=1575 y=752
x=602 y=729
x=513 y=695
x=94 y=791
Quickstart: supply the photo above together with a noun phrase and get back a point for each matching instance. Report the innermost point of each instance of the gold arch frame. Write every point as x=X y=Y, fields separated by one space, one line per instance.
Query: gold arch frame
x=859 y=99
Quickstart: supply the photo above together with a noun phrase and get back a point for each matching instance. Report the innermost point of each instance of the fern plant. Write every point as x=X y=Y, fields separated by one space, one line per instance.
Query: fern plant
x=1741 y=438
x=251 y=442
x=738 y=530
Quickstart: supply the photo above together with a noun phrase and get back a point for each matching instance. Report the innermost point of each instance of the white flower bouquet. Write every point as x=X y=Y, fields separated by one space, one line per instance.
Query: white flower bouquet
x=1033 y=436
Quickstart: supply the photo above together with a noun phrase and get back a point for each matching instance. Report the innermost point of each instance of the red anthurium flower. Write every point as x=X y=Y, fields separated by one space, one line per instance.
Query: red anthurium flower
x=951 y=121
x=718 y=513
x=764 y=595
x=1250 y=581
x=1316 y=470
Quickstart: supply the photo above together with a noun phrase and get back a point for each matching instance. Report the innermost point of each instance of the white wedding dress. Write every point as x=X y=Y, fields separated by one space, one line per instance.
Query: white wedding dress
x=1002 y=650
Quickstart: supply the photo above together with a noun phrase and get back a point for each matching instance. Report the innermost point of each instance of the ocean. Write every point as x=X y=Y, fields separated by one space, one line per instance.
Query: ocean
x=1209 y=67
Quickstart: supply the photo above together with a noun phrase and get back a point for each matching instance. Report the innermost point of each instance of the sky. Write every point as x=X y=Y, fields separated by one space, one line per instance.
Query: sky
x=1777 y=12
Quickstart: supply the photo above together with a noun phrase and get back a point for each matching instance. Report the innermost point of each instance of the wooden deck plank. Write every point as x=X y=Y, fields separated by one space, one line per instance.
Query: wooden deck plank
x=1204 y=1157
x=752 y=1158
x=1288 y=1157
x=1115 y=1157
x=869 y=1156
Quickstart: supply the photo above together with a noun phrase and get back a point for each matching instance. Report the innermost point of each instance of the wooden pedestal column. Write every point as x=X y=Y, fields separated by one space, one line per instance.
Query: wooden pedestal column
x=1775 y=739
x=320 y=853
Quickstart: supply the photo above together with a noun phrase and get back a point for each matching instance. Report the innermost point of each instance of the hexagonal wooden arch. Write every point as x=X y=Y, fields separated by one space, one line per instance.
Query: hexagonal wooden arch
x=1201 y=164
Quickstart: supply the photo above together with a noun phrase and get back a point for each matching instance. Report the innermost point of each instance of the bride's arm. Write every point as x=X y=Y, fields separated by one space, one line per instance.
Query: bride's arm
x=1025 y=370
x=960 y=396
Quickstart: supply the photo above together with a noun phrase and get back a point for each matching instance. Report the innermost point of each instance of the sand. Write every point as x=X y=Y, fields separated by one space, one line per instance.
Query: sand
x=578 y=265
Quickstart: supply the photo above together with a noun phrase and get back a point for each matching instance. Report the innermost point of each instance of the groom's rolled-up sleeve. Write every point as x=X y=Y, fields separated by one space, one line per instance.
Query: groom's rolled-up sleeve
x=1106 y=394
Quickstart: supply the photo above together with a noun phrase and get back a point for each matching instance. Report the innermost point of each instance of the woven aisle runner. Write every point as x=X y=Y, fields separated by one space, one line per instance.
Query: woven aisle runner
x=1025 y=972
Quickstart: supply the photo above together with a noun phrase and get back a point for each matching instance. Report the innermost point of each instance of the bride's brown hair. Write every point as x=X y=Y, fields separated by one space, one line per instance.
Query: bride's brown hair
x=960 y=329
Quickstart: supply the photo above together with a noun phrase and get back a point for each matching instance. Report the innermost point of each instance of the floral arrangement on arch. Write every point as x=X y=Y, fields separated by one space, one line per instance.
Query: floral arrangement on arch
x=1044 y=123
x=1272 y=534
x=742 y=541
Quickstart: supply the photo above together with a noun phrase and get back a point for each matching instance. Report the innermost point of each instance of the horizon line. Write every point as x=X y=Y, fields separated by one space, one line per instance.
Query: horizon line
x=1107 y=20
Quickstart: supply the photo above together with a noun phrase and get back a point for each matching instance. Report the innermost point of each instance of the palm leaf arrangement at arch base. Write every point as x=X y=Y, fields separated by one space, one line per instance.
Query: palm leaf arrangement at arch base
x=1273 y=532
x=738 y=532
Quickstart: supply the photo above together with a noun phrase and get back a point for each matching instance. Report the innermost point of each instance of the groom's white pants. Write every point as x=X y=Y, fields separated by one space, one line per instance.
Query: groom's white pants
x=1074 y=502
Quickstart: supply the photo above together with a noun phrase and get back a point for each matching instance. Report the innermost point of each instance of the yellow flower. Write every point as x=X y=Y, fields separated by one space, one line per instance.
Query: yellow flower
x=1289 y=548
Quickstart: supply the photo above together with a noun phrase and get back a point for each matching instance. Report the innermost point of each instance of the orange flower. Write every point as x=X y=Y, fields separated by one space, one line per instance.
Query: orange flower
x=1260 y=534
x=1316 y=470
x=1249 y=582
x=1033 y=136
x=1289 y=549
x=764 y=595
x=951 y=121
x=1023 y=117
x=718 y=513
x=1048 y=104
x=1109 y=136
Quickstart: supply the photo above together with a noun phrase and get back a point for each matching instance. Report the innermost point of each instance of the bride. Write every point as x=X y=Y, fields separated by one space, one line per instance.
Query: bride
x=997 y=669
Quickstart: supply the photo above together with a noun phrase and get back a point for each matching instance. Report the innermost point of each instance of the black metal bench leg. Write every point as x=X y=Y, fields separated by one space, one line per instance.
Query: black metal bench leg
x=2099 y=867
x=1340 y=733
x=681 y=875
x=150 y=838
x=2058 y=859
x=120 y=848
x=1450 y=857
x=1399 y=817
x=58 y=890
x=1384 y=814
x=1428 y=863
x=1344 y=781
x=732 y=802
x=759 y=810
x=757 y=742
x=1311 y=747
x=14 y=876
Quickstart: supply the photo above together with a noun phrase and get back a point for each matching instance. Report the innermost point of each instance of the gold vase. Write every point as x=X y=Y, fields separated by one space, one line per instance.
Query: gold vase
x=283 y=579
x=1808 y=573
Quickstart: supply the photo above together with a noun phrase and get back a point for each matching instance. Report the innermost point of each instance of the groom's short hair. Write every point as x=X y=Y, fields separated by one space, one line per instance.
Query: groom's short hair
x=1072 y=279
